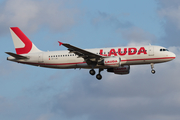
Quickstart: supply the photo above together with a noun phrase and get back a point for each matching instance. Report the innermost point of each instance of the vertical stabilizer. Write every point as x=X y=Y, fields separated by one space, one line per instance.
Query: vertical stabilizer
x=22 y=43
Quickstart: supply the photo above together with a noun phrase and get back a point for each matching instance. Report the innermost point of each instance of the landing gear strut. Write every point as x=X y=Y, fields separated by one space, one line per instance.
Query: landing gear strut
x=152 y=67
x=99 y=76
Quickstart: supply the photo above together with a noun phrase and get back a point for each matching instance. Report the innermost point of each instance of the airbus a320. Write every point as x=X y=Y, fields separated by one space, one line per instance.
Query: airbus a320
x=116 y=60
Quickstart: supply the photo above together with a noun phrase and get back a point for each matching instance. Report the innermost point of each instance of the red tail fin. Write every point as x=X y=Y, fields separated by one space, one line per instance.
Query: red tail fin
x=22 y=43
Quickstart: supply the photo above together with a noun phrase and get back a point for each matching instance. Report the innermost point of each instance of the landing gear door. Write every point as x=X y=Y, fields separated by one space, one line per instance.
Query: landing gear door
x=151 y=51
x=40 y=58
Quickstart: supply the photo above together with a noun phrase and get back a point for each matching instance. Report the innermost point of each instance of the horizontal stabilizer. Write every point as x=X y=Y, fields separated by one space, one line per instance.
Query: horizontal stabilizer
x=16 y=55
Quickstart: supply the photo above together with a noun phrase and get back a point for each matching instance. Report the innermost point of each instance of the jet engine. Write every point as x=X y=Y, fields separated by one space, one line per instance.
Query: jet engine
x=111 y=62
x=122 y=70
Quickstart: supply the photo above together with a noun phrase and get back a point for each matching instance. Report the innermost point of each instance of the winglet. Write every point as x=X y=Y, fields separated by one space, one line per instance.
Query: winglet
x=60 y=43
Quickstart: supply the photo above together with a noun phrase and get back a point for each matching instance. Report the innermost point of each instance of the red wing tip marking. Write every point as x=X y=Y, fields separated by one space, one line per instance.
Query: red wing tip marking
x=60 y=43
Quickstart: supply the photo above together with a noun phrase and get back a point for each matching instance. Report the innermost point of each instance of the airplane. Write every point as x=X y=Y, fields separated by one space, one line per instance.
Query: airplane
x=116 y=60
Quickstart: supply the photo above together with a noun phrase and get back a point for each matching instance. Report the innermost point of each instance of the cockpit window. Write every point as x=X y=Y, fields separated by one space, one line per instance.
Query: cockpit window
x=164 y=50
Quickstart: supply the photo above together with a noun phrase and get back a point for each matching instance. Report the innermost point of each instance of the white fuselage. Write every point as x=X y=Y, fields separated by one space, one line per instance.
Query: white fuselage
x=127 y=55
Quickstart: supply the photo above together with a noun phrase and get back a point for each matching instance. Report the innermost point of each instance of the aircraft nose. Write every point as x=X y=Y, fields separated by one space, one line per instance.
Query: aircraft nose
x=173 y=55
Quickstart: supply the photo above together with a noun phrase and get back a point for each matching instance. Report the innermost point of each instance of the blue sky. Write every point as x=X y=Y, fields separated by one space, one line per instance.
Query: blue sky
x=28 y=92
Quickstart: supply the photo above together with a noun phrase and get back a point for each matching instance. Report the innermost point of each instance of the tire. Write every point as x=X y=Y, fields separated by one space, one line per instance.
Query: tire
x=99 y=76
x=92 y=72
x=153 y=71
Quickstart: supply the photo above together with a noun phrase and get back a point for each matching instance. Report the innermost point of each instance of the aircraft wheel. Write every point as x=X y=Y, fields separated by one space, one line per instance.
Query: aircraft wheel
x=153 y=71
x=92 y=72
x=99 y=76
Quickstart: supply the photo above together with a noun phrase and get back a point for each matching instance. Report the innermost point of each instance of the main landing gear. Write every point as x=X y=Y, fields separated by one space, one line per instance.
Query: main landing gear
x=152 y=67
x=98 y=76
x=92 y=72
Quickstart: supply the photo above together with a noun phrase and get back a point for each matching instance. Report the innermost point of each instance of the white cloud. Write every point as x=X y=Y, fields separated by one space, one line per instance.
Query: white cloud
x=31 y=14
x=171 y=14
x=137 y=36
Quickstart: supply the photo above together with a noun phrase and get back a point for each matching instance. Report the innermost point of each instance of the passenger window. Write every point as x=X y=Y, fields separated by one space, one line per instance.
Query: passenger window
x=160 y=49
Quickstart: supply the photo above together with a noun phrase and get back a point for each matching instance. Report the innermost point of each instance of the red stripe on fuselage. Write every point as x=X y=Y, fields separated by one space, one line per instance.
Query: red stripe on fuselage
x=148 y=59
x=85 y=62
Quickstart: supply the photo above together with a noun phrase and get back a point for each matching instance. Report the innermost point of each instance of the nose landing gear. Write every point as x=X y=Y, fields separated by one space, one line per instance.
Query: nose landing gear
x=153 y=71
x=152 y=67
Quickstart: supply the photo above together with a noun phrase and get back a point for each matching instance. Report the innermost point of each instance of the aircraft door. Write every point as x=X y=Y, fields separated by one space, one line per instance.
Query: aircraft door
x=151 y=51
x=40 y=58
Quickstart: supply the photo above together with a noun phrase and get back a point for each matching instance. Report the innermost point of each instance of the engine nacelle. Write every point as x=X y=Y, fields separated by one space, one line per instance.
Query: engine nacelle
x=122 y=70
x=112 y=62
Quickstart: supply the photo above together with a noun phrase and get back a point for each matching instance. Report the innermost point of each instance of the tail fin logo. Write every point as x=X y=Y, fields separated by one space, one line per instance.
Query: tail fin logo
x=20 y=36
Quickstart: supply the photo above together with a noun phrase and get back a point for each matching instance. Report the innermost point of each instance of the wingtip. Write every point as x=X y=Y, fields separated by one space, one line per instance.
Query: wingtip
x=60 y=43
x=7 y=53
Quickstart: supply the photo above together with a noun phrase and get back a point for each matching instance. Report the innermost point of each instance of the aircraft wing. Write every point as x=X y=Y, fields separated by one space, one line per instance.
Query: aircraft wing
x=81 y=52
